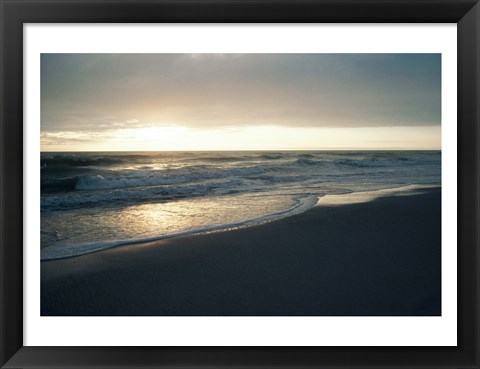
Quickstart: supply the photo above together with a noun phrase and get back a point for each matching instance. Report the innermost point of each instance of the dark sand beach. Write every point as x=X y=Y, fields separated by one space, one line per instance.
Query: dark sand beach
x=379 y=258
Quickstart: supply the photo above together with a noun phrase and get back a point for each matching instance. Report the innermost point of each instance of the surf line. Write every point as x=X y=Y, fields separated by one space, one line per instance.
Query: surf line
x=302 y=205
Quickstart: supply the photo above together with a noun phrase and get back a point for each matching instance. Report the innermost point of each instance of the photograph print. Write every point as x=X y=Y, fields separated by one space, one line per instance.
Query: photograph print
x=240 y=185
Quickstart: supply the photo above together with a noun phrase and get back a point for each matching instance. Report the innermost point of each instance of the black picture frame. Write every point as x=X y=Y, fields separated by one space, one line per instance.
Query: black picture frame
x=15 y=13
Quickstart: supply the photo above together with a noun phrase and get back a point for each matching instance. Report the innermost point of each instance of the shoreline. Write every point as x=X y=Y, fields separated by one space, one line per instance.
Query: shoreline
x=304 y=205
x=375 y=258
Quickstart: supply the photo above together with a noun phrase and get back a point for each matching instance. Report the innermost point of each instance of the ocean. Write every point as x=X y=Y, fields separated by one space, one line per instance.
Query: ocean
x=97 y=200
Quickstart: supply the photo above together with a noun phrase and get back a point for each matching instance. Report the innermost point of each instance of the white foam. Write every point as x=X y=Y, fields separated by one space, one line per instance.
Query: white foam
x=366 y=196
x=139 y=178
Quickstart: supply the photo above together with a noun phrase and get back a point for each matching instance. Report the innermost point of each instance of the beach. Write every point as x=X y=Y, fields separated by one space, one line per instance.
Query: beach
x=380 y=257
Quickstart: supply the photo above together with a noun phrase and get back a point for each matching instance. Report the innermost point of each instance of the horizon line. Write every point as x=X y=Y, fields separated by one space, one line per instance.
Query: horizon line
x=236 y=150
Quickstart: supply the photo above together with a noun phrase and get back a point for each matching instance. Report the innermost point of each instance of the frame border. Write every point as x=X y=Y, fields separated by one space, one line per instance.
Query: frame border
x=14 y=13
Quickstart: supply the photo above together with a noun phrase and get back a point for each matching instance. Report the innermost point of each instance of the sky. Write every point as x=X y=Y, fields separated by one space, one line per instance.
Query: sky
x=125 y=102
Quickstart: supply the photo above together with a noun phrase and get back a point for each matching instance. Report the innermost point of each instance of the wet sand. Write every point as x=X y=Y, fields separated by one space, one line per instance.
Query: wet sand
x=376 y=258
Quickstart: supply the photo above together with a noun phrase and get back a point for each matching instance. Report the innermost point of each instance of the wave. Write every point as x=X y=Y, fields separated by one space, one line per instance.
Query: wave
x=370 y=162
x=80 y=186
x=149 y=194
x=64 y=252
x=220 y=159
x=59 y=184
x=76 y=161
x=146 y=179
x=110 y=180
x=243 y=157
x=271 y=156
x=99 y=182
x=308 y=161
x=379 y=162
x=281 y=179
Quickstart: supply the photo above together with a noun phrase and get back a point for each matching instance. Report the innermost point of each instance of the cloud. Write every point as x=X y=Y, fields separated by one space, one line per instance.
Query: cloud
x=96 y=92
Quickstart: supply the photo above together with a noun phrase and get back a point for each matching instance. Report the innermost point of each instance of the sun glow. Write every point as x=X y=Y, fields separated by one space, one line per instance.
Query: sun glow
x=161 y=135
x=179 y=138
